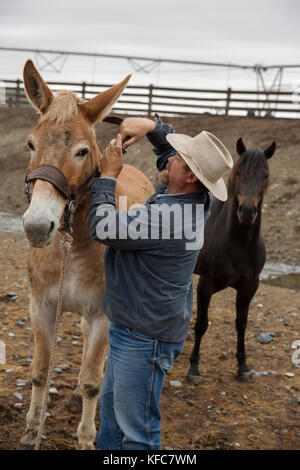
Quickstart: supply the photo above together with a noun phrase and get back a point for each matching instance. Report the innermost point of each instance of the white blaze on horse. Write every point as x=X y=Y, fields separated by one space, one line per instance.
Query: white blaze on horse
x=64 y=138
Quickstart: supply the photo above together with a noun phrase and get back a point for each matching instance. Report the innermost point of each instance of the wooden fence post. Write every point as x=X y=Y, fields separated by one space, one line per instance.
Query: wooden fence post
x=83 y=90
x=18 y=92
x=150 y=99
x=228 y=101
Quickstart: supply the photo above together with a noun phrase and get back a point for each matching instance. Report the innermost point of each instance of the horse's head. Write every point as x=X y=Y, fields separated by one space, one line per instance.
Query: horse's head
x=64 y=138
x=248 y=181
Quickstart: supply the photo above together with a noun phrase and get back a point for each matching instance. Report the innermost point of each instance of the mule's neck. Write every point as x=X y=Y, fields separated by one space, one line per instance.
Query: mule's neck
x=81 y=235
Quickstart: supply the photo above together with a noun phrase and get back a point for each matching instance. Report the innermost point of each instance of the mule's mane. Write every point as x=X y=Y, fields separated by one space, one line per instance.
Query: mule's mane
x=63 y=107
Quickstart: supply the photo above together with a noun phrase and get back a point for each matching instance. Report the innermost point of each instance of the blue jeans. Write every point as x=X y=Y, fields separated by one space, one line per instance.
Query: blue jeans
x=135 y=370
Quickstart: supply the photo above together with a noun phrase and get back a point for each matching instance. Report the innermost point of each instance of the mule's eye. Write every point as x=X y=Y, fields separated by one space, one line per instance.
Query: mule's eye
x=30 y=145
x=82 y=153
x=266 y=176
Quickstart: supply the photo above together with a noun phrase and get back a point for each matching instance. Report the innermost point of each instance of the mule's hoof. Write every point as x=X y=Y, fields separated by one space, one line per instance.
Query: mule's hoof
x=76 y=403
x=26 y=446
x=27 y=441
x=86 y=446
x=194 y=379
x=246 y=377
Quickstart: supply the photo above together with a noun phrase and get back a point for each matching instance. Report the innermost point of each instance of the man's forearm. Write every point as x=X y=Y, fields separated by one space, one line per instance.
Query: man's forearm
x=161 y=147
x=156 y=131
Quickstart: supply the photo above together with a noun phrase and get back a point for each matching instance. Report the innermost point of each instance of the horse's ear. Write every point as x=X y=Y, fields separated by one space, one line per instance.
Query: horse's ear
x=240 y=147
x=97 y=108
x=269 y=152
x=36 y=89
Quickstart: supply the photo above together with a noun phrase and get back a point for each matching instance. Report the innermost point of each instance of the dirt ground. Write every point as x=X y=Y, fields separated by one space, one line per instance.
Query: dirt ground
x=220 y=412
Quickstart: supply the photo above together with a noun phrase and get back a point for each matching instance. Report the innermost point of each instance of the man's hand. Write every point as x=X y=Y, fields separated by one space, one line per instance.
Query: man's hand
x=112 y=161
x=135 y=128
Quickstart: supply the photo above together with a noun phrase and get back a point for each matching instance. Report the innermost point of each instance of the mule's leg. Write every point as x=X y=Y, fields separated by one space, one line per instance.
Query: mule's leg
x=204 y=294
x=245 y=293
x=42 y=322
x=90 y=378
x=76 y=400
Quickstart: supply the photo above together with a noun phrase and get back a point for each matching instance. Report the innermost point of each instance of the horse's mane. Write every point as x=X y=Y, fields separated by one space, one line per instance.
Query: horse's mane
x=248 y=163
x=63 y=107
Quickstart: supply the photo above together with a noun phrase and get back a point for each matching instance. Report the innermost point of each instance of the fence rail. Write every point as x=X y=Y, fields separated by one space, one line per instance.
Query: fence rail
x=172 y=101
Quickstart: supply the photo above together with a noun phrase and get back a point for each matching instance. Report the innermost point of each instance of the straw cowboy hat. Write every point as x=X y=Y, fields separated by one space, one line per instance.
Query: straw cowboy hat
x=207 y=157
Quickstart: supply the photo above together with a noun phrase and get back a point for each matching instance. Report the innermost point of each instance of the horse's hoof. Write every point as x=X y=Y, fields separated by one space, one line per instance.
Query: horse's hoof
x=246 y=377
x=76 y=403
x=194 y=379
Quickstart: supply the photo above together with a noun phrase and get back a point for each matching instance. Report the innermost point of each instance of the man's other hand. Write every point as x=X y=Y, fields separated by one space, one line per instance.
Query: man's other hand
x=135 y=128
x=112 y=161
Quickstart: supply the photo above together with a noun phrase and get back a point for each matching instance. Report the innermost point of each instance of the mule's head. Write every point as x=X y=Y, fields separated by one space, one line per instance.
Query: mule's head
x=64 y=138
x=249 y=180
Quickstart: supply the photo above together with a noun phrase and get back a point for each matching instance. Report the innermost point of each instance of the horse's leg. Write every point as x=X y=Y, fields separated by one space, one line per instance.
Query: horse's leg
x=204 y=294
x=42 y=322
x=76 y=400
x=90 y=378
x=245 y=293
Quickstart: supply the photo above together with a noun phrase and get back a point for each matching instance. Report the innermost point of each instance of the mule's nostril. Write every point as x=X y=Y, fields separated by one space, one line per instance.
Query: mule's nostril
x=52 y=225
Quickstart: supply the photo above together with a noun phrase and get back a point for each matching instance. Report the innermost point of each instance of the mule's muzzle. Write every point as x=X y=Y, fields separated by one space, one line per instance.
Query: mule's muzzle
x=247 y=214
x=39 y=233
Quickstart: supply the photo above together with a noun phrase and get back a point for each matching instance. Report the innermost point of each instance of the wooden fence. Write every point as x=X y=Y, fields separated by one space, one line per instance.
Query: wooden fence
x=147 y=100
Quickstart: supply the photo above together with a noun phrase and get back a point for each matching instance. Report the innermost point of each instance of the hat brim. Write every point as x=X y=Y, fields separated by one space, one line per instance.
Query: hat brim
x=179 y=142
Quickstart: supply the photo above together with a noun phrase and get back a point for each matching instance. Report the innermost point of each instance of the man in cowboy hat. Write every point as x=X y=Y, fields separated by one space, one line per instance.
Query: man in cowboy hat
x=149 y=290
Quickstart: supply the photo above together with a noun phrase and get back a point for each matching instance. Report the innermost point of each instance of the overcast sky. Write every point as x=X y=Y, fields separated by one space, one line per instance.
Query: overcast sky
x=231 y=31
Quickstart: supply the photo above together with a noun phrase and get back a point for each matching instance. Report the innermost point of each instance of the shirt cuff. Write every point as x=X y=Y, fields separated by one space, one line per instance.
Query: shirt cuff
x=104 y=184
x=107 y=178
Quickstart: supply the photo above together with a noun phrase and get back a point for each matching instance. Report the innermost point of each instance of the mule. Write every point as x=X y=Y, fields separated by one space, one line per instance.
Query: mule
x=65 y=138
x=234 y=252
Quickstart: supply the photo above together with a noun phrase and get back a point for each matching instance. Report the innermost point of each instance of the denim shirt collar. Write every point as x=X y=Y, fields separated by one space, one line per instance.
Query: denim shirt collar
x=162 y=196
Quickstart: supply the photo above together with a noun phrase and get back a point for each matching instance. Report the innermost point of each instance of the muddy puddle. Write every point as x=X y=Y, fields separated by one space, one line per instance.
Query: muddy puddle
x=10 y=222
x=281 y=275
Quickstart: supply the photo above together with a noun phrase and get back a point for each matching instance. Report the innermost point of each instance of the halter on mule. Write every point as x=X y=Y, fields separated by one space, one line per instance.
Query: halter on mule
x=53 y=175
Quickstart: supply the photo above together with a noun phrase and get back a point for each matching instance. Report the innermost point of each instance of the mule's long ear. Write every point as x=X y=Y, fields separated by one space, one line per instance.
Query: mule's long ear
x=36 y=89
x=97 y=108
x=240 y=147
x=269 y=152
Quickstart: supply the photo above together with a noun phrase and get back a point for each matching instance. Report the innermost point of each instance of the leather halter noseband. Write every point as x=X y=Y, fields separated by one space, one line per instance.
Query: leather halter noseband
x=53 y=175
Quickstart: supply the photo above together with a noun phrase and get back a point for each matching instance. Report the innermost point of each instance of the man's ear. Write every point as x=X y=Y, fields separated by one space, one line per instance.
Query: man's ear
x=192 y=179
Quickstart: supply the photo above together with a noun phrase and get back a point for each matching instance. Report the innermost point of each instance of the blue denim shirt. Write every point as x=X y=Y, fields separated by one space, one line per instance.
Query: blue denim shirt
x=148 y=280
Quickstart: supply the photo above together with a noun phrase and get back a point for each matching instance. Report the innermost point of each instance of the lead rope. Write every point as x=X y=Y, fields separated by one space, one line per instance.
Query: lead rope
x=66 y=245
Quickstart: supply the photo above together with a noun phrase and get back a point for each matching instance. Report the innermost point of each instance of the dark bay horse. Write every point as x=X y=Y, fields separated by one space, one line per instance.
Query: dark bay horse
x=233 y=254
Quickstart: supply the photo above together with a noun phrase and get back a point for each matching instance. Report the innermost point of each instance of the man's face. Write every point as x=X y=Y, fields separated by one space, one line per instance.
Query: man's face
x=177 y=171
x=180 y=178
